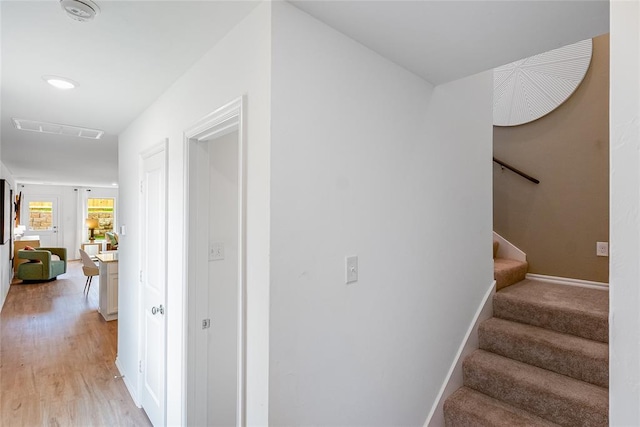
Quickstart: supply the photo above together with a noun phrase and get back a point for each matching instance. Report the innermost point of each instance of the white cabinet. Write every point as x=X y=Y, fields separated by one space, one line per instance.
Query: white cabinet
x=108 y=297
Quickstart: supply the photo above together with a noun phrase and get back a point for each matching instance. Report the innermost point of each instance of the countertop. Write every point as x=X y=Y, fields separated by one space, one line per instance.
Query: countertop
x=108 y=257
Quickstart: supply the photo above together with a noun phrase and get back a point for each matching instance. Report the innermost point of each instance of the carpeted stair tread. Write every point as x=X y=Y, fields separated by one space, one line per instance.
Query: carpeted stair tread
x=554 y=397
x=495 y=248
x=506 y=272
x=469 y=408
x=579 y=358
x=573 y=310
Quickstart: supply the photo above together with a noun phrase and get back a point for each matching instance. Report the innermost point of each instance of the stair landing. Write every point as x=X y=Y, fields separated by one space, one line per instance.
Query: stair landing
x=506 y=271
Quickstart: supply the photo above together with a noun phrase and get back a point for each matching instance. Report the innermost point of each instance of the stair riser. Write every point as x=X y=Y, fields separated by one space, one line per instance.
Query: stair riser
x=564 y=409
x=580 y=324
x=507 y=272
x=457 y=416
x=467 y=407
x=590 y=365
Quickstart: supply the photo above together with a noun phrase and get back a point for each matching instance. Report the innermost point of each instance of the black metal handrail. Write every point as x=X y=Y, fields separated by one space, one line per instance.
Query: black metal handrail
x=519 y=172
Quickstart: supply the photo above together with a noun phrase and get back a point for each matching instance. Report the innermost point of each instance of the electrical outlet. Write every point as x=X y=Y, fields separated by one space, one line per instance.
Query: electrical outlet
x=352 y=269
x=602 y=248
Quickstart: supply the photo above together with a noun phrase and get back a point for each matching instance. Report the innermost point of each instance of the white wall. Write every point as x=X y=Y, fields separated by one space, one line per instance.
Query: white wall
x=624 y=318
x=239 y=64
x=6 y=266
x=369 y=160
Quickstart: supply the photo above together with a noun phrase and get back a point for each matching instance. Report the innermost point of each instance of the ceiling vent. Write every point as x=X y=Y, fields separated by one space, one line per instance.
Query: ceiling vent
x=56 y=129
x=80 y=10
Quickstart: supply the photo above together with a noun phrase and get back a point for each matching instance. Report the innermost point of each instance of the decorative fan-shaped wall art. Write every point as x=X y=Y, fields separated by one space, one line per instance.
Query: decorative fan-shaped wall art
x=530 y=88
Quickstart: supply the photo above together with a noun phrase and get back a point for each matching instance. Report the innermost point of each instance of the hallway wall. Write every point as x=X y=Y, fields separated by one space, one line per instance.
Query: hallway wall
x=6 y=265
x=370 y=160
x=238 y=65
x=624 y=294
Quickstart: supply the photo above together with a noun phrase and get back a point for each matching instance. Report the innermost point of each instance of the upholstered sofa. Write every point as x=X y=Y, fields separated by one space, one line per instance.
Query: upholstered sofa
x=40 y=266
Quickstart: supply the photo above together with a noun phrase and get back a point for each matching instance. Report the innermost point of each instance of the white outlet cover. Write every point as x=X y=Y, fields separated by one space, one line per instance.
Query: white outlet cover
x=602 y=248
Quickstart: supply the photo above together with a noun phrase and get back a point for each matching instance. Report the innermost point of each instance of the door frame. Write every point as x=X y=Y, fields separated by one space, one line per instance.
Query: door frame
x=162 y=146
x=226 y=119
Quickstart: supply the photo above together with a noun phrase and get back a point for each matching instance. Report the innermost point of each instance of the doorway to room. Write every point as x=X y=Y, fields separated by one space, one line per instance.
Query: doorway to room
x=216 y=269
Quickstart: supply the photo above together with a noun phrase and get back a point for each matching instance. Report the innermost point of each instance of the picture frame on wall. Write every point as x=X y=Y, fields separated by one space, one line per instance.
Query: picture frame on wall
x=11 y=224
x=5 y=212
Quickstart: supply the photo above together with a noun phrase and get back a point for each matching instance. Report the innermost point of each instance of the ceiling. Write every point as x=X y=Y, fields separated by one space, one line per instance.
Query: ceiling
x=128 y=56
x=123 y=61
x=443 y=41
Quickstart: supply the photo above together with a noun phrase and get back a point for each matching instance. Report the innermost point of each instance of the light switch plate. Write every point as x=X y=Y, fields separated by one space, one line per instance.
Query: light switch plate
x=216 y=251
x=352 y=269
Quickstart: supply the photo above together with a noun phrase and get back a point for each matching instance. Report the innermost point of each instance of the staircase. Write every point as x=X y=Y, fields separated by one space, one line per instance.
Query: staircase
x=543 y=358
x=507 y=271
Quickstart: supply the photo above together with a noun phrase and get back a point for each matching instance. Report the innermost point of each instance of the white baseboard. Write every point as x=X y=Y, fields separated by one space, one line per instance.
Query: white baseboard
x=127 y=384
x=568 y=281
x=454 y=380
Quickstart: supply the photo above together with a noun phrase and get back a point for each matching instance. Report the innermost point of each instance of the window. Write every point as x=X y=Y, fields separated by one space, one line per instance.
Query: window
x=103 y=211
x=40 y=216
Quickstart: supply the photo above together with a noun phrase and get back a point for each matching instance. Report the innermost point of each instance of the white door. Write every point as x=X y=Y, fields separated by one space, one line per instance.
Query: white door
x=153 y=221
x=40 y=217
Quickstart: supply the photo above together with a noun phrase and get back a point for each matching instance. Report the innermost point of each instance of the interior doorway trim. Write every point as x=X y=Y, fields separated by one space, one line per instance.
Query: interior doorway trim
x=224 y=120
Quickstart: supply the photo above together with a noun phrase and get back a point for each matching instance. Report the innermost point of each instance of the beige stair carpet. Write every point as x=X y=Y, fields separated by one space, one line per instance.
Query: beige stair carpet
x=506 y=271
x=576 y=357
x=543 y=360
x=573 y=310
x=557 y=398
x=467 y=407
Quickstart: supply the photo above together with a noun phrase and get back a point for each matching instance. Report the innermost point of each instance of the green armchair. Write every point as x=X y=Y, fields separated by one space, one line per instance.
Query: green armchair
x=40 y=266
x=112 y=240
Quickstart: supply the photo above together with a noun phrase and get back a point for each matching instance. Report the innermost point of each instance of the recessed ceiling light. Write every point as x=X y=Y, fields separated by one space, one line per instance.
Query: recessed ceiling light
x=60 y=82
x=114 y=183
x=80 y=10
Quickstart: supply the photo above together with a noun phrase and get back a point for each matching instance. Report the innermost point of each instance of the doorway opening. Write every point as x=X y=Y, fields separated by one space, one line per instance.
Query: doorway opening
x=215 y=275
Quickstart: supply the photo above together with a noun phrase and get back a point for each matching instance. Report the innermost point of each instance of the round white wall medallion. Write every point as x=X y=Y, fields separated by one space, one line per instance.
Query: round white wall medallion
x=525 y=90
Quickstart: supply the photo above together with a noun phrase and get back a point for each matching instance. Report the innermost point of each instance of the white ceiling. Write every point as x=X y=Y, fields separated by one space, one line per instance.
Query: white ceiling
x=133 y=51
x=123 y=60
x=443 y=41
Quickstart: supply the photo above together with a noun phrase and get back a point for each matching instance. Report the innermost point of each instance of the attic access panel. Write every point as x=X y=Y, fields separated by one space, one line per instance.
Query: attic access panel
x=525 y=90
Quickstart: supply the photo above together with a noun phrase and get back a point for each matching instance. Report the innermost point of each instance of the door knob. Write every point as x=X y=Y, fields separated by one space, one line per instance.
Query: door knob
x=156 y=310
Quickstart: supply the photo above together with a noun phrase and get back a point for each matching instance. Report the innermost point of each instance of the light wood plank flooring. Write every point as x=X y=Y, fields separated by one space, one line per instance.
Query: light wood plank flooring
x=57 y=358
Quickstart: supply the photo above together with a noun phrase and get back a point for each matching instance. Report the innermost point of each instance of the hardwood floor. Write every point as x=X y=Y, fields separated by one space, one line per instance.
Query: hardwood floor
x=57 y=358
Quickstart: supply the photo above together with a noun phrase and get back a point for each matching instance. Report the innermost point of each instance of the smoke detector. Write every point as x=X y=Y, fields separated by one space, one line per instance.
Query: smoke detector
x=80 y=10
